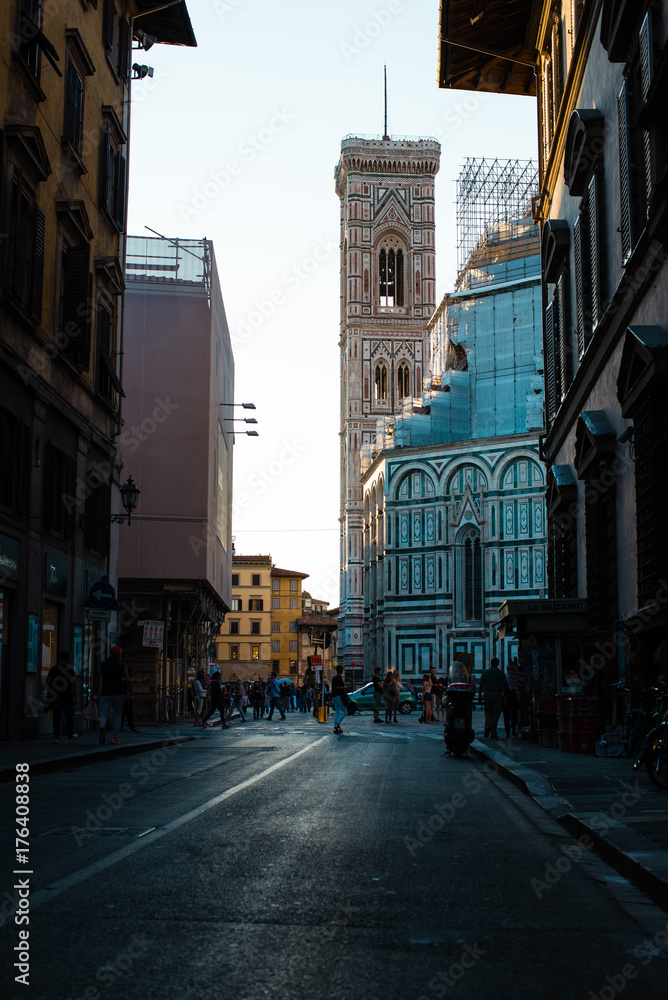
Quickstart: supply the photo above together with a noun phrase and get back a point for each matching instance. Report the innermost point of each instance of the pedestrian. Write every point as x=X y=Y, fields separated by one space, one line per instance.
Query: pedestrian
x=263 y=696
x=216 y=700
x=437 y=689
x=377 y=694
x=275 y=698
x=61 y=695
x=239 y=701
x=399 y=686
x=293 y=697
x=199 y=695
x=113 y=683
x=426 y=697
x=256 y=699
x=338 y=695
x=389 y=695
x=128 y=708
x=492 y=690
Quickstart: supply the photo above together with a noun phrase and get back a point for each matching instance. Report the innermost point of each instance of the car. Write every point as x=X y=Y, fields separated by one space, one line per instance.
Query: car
x=363 y=698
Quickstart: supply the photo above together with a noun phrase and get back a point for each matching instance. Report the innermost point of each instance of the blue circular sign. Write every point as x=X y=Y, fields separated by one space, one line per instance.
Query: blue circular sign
x=101 y=595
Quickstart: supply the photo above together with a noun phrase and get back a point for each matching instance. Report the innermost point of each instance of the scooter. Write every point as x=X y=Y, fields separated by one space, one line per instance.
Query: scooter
x=459 y=694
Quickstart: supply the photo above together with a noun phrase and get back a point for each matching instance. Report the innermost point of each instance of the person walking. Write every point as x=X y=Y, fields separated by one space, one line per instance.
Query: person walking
x=240 y=700
x=437 y=690
x=389 y=696
x=216 y=700
x=492 y=691
x=377 y=694
x=338 y=695
x=511 y=703
x=256 y=699
x=399 y=686
x=61 y=695
x=199 y=695
x=113 y=683
x=275 y=698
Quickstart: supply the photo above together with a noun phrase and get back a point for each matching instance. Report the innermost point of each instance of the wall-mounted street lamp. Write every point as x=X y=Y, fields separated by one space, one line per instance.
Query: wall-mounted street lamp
x=129 y=498
x=246 y=406
x=245 y=420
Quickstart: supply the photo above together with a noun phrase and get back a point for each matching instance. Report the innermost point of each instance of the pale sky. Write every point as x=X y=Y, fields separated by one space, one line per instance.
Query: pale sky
x=237 y=141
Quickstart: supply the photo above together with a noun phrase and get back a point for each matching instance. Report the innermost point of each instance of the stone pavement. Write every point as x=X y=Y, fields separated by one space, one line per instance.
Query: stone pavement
x=603 y=799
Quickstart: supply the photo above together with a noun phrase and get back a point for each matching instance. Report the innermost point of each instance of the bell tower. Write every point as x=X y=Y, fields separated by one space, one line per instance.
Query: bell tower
x=388 y=295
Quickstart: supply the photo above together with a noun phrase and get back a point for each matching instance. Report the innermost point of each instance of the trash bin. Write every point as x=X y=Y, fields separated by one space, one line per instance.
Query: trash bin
x=322 y=714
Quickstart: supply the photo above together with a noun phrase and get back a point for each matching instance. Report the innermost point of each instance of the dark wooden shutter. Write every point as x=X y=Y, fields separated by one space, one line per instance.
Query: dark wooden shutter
x=106 y=169
x=594 y=251
x=108 y=25
x=579 y=308
x=624 y=170
x=73 y=106
x=39 y=235
x=76 y=307
x=23 y=481
x=563 y=343
x=119 y=191
x=124 y=47
x=646 y=75
x=550 y=384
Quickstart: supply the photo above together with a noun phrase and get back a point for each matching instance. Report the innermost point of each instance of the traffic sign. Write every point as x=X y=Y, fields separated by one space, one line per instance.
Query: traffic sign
x=101 y=595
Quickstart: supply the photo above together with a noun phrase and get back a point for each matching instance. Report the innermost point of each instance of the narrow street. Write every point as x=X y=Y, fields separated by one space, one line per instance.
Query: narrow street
x=276 y=860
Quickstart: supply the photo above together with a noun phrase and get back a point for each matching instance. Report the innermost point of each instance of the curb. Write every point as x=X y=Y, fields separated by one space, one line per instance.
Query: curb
x=623 y=849
x=72 y=761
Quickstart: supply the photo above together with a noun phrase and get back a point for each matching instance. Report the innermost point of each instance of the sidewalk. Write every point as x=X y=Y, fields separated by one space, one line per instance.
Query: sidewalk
x=44 y=756
x=619 y=810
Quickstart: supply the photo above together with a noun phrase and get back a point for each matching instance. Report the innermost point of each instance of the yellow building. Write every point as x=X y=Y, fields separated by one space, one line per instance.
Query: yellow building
x=243 y=646
x=65 y=79
x=286 y=609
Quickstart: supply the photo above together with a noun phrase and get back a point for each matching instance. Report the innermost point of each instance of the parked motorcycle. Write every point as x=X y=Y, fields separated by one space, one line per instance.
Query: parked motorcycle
x=654 y=750
x=459 y=694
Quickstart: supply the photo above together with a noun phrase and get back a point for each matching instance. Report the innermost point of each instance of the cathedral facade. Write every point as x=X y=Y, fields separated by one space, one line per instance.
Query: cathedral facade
x=388 y=296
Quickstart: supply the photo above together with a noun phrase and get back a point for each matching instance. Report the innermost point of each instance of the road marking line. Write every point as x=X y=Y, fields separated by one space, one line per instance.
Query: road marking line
x=63 y=884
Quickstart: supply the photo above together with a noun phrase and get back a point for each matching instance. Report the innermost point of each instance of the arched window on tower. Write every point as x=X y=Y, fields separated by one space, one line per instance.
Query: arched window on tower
x=391 y=276
x=403 y=381
x=380 y=384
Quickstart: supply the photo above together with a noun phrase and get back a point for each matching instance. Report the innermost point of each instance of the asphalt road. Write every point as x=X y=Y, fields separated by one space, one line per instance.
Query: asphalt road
x=277 y=860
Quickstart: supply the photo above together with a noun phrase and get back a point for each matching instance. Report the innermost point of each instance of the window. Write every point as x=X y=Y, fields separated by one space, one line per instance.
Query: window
x=74 y=107
x=275 y=584
x=106 y=378
x=75 y=288
x=98 y=507
x=380 y=384
x=234 y=628
x=234 y=652
x=391 y=273
x=235 y=579
x=116 y=36
x=275 y=645
x=293 y=603
x=275 y=602
x=275 y=626
x=255 y=604
x=113 y=171
x=15 y=460
x=588 y=272
x=293 y=645
x=59 y=491
x=236 y=604
x=25 y=247
x=552 y=81
x=255 y=580
x=294 y=584
x=255 y=652
x=293 y=666
x=403 y=381
x=469 y=557
x=294 y=627
x=275 y=664
x=255 y=628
